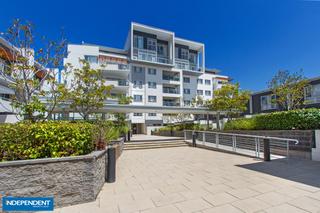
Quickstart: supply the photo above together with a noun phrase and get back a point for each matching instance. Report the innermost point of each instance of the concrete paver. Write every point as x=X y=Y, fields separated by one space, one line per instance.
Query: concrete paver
x=186 y=179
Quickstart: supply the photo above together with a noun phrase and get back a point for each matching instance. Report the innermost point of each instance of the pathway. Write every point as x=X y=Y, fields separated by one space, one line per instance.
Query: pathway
x=187 y=179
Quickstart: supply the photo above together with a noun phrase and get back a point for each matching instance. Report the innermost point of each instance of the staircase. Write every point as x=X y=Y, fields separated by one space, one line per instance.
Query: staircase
x=154 y=144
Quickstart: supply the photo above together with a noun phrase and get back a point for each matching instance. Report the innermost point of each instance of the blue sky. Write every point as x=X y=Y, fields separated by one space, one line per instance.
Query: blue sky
x=249 y=40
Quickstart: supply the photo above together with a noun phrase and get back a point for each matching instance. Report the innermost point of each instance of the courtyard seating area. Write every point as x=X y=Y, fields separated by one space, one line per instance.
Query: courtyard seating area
x=186 y=179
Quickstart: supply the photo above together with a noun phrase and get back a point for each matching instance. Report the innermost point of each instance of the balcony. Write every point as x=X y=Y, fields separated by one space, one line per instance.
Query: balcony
x=149 y=56
x=118 y=85
x=185 y=65
x=171 y=103
x=170 y=78
x=171 y=90
x=115 y=70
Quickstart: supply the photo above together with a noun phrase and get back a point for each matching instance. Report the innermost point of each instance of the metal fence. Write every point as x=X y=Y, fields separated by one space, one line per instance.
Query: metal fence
x=252 y=145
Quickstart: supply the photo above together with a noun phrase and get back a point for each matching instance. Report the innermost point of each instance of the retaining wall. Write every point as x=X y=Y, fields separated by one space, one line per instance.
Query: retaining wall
x=70 y=180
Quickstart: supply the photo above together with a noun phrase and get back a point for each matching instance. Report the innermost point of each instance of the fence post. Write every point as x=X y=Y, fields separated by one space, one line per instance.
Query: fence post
x=111 y=169
x=194 y=142
x=185 y=135
x=204 y=138
x=266 y=149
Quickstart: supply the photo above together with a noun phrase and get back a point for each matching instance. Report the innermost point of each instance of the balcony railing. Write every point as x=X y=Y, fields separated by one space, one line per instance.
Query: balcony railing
x=170 y=78
x=114 y=65
x=185 y=65
x=170 y=90
x=170 y=103
x=149 y=55
x=123 y=83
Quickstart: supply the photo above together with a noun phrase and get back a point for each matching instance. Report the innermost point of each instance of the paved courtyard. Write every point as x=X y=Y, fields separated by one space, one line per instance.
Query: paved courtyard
x=186 y=179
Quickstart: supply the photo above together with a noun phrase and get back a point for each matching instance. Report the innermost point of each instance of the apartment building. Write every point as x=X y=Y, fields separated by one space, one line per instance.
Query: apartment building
x=6 y=92
x=154 y=68
x=263 y=101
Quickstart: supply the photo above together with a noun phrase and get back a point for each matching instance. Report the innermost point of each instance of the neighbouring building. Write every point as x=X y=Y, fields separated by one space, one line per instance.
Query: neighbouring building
x=6 y=93
x=8 y=55
x=155 y=68
x=263 y=101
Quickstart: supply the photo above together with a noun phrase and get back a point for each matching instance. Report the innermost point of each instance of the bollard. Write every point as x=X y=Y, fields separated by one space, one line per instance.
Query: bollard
x=129 y=135
x=266 y=149
x=111 y=169
x=194 y=143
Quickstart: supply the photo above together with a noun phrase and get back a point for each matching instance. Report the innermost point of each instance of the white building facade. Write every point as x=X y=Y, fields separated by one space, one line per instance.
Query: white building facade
x=155 y=68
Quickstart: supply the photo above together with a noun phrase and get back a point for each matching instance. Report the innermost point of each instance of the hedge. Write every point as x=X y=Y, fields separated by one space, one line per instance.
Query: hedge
x=23 y=140
x=294 y=119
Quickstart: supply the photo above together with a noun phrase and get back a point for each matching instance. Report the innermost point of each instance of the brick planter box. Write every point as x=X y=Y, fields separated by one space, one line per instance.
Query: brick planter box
x=70 y=180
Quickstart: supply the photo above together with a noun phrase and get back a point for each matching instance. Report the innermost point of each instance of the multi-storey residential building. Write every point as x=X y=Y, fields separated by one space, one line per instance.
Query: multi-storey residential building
x=263 y=101
x=155 y=68
x=6 y=92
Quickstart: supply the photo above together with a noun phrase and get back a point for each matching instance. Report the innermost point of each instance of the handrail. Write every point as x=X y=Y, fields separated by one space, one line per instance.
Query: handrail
x=249 y=136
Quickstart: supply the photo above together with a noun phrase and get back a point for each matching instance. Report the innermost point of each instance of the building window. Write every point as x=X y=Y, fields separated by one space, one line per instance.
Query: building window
x=152 y=98
x=152 y=85
x=184 y=54
x=312 y=94
x=268 y=102
x=137 y=84
x=152 y=71
x=186 y=91
x=91 y=59
x=187 y=103
x=199 y=92
x=138 y=41
x=193 y=58
x=208 y=93
x=162 y=50
x=138 y=69
x=152 y=114
x=137 y=114
x=137 y=98
x=186 y=80
x=207 y=82
x=151 y=44
x=199 y=81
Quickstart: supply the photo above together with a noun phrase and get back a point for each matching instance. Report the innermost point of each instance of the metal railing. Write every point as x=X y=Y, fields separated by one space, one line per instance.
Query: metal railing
x=170 y=78
x=252 y=145
x=185 y=64
x=149 y=55
x=170 y=90
x=107 y=64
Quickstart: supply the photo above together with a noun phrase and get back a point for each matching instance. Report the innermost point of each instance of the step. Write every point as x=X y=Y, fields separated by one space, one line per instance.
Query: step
x=146 y=144
x=156 y=140
x=152 y=142
x=154 y=147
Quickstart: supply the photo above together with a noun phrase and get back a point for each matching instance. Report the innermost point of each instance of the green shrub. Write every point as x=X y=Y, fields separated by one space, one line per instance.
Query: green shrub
x=52 y=139
x=181 y=127
x=241 y=124
x=294 y=119
x=43 y=140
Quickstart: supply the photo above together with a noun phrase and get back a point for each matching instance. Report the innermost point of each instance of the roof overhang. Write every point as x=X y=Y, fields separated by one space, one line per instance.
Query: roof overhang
x=119 y=108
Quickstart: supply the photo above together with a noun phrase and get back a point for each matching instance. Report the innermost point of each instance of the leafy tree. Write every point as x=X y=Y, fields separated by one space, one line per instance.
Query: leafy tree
x=197 y=101
x=36 y=90
x=229 y=99
x=87 y=91
x=288 y=88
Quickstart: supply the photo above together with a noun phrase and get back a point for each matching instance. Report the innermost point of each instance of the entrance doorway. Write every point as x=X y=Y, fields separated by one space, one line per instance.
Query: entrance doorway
x=137 y=128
